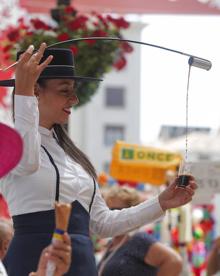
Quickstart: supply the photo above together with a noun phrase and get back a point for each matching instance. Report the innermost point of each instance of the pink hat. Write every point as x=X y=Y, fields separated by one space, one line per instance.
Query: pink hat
x=11 y=148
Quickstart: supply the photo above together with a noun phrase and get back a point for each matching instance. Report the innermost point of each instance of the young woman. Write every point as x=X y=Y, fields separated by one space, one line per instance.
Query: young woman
x=138 y=254
x=53 y=168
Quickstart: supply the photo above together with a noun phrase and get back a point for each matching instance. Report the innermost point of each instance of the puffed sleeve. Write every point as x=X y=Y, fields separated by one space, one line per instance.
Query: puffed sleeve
x=27 y=123
x=110 y=223
x=139 y=245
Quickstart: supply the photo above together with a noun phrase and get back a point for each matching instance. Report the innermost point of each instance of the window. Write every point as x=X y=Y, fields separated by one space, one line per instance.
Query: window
x=113 y=133
x=115 y=97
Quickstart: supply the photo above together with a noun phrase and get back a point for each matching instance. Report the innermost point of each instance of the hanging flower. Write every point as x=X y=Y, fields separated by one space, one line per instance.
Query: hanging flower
x=74 y=49
x=63 y=37
x=120 y=63
x=93 y=57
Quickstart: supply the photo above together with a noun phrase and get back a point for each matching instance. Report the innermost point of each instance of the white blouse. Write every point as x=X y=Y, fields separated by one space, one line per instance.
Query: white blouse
x=31 y=186
x=2 y=270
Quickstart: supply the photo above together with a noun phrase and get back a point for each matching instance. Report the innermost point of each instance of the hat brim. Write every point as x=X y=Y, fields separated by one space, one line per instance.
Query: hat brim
x=11 y=149
x=11 y=82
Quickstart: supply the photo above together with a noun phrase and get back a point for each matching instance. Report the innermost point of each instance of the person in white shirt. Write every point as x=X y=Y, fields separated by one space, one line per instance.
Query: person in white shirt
x=53 y=168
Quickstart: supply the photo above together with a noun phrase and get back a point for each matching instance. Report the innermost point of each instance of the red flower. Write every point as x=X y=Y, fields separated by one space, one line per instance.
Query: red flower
x=6 y=56
x=13 y=35
x=120 y=63
x=21 y=24
x=74 y=49
x=126 y=47
x=119 y=22
x=63 y=36
x=96 y=33
x=29 y=33
x=90 y=41
x=96 y=24
x=7 y=48
x=3 y=90
x=102 y=19
x=122 y=23
x=39 y=24
x=99 y=33
x=70 y=10
x=78 y=23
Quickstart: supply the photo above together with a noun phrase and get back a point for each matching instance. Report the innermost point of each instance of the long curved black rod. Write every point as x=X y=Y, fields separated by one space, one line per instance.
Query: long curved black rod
x=193 y=60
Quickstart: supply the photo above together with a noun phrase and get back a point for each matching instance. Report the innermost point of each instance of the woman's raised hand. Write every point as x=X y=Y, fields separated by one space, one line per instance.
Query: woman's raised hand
x=174 y=196
x=28 y=70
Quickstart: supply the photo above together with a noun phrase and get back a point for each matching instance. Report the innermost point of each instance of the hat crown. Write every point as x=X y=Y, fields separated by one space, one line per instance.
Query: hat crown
x=61 y=56
x=61 y=67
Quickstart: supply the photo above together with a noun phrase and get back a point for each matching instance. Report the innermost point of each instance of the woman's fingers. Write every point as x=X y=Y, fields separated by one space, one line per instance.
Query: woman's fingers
x=62 y=246
x=39 y=54
x=26 y=55
x=62 y=250
x=44 y=64
x=190 y=191
x=193 y=184
x=31 y=61
x=66 y=239
x=64 y=255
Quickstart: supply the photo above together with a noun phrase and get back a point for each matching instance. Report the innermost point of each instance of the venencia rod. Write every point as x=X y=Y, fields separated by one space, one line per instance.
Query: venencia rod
x=193 y=60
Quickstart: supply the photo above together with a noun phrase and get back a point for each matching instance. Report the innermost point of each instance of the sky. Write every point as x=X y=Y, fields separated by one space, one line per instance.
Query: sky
x=164 y=74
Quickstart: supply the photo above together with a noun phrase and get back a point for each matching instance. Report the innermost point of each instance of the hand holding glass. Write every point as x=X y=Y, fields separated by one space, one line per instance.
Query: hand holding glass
x=184 y=174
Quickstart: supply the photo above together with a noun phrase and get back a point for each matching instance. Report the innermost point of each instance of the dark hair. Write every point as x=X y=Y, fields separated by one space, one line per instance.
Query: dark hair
x=71 y=149
x=67 y=144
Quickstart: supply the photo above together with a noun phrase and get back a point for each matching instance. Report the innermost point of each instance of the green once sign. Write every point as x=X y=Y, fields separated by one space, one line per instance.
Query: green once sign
x=127 y=154
x=141 y=155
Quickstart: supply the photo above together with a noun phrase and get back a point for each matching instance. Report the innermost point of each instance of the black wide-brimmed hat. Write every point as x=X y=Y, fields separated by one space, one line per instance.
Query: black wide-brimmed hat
x=61 y=67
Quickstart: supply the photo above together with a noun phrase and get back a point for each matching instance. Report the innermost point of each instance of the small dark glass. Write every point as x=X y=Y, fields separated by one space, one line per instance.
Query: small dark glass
x=184 y=174
x=183 y=180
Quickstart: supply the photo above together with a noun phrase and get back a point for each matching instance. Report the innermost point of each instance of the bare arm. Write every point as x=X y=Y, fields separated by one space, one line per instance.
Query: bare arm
x=165 y=259
x=213 y=261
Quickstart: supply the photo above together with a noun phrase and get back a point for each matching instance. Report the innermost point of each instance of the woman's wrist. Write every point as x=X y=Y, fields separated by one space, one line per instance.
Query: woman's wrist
x=162 y=203
x=24 y=92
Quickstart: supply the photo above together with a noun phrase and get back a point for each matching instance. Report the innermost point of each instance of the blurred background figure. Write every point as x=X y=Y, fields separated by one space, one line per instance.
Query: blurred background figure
x=176 y=227
x=136 y=253
x=213 y=262
x=6 y=234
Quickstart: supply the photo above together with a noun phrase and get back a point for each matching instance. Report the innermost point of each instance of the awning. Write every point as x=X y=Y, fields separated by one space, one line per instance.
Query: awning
x=128 y=6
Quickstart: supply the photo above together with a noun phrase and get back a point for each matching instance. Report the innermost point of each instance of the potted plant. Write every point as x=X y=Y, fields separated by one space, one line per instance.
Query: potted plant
x=92 y=57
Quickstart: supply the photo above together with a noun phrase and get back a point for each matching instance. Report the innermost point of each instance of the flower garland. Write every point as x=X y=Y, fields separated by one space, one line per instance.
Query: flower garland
x=93 y=58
